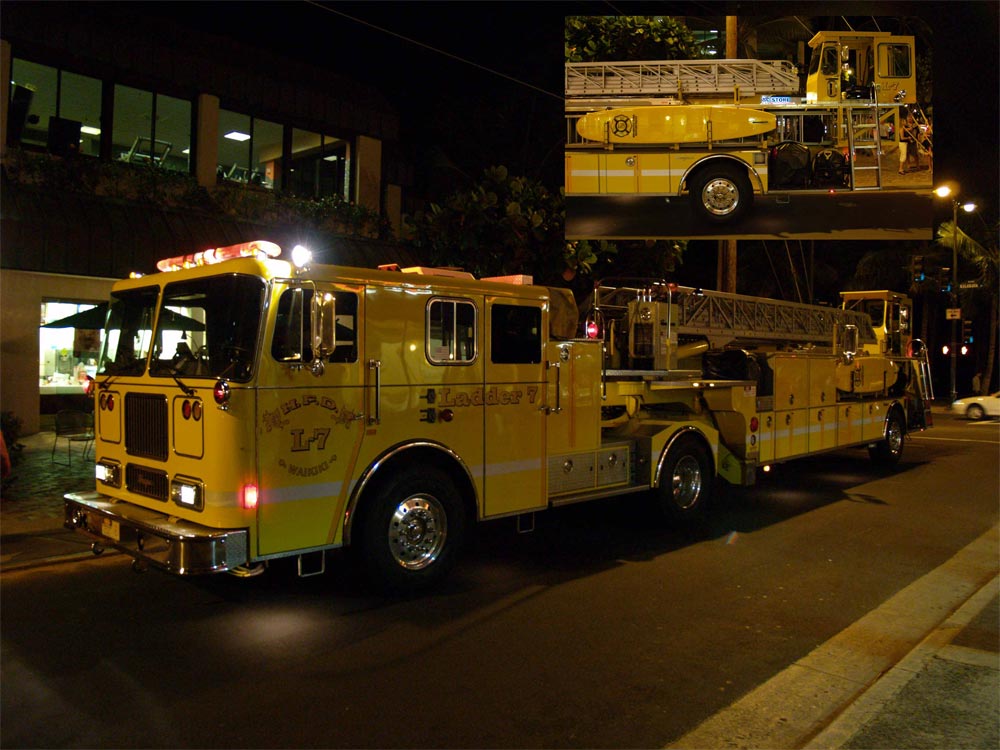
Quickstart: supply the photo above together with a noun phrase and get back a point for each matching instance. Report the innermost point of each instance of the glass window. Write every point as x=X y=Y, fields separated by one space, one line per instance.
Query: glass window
x=451 y=331
x=32 y=102
x=894 y=60
x=208 y=328
x=515 y=334
x=129 y=331
x=234 y=146
x=265 y=159
x=831 y=60
x=293 y=321
x=173 y=132
x=69 y=352
x=318 y=165
x=80 y=101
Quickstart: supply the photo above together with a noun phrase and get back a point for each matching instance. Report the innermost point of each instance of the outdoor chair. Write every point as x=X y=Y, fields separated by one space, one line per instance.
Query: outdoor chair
x=73 y=426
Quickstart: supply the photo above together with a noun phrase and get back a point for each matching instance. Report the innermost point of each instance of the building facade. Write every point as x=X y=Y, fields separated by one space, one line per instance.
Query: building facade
x=126 y=140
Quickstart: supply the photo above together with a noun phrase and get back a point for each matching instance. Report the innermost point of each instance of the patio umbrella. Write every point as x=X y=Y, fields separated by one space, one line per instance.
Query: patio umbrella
x=93 y=320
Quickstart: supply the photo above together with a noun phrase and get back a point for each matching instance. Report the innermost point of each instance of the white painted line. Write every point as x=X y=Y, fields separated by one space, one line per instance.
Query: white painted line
x=800 y=702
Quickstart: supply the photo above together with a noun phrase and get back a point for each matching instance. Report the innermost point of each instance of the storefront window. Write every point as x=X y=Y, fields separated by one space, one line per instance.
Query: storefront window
x=152 y=128
x=249 y=150
x=33 y=102
x=69 y=343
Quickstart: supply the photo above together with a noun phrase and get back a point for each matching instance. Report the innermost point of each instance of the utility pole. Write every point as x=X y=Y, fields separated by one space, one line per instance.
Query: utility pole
x=726 y=274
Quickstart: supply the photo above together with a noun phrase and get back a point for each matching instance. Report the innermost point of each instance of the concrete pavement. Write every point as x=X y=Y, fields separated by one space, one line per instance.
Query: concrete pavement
x=943 y=692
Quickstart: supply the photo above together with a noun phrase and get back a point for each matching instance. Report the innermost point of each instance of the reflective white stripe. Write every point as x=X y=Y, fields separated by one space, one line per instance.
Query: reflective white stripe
x=584 y=172
x=291 y=494
x=513 y=467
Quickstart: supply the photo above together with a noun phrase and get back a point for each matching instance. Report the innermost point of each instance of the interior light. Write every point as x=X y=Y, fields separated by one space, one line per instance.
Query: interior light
x=90 y=130
x=333 y=157
x=186 y=151
x=236 y=135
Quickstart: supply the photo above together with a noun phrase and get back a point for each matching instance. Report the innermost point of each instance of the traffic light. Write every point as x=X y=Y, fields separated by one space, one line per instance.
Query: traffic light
x=966 y=331
x=944 y=278
x=918 y=268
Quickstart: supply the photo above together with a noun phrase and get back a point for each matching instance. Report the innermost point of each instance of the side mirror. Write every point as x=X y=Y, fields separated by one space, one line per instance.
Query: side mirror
x=850 y=342
x=323 y=324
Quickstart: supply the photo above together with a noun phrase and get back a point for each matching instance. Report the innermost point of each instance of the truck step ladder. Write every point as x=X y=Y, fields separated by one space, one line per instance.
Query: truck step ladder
x=864 y=141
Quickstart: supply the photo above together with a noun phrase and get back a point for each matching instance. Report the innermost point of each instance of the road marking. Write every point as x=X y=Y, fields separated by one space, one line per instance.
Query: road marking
x=798 y=703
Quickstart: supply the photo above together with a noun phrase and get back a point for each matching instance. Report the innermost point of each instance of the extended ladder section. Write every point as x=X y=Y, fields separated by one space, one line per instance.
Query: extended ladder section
x=723 y=318
x=680 y=79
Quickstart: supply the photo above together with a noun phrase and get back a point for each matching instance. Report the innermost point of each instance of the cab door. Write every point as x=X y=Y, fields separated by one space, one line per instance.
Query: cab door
x=823 y=82
x=513 y=394
x=310 y=420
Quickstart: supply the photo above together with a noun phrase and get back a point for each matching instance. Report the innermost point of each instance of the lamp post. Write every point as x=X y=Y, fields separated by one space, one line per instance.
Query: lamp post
x=943 y=192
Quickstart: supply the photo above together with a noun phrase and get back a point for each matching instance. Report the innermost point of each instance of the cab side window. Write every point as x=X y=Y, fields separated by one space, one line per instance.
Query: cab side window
x=515 y=334
x=293 y=324
x=451 y=331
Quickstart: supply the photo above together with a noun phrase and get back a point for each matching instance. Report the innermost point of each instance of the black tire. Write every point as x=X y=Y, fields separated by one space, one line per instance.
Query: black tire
x=888 y=451
x=975 y=412
x=412 y=529
x=721 y=194
x=687 y=477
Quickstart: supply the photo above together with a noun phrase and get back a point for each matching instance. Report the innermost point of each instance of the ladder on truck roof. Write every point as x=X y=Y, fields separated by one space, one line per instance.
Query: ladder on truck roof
x=681 y=78
x=724 y=318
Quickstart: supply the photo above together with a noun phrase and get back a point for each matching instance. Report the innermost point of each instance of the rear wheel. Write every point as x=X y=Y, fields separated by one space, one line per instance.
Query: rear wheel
x=721 y=193
x=686 y=480
x=975 y=412
x=888 y=451
x=411 y=530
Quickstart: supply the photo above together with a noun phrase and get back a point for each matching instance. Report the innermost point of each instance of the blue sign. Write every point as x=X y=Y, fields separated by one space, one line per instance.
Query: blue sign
x=776 y=100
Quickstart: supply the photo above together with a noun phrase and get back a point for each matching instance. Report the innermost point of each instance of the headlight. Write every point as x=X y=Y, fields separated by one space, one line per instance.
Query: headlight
x=187 y=492
x=109 y=472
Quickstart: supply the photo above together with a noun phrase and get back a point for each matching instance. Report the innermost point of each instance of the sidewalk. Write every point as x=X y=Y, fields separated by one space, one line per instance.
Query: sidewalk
x=31 y=504
x=944 y=693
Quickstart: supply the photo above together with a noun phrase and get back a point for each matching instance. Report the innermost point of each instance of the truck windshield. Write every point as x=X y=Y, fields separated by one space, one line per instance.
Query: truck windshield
x=130 y=329
x=208 y=328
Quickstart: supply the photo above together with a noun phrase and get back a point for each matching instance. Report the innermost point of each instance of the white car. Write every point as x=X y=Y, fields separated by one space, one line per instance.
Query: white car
x=978 y=407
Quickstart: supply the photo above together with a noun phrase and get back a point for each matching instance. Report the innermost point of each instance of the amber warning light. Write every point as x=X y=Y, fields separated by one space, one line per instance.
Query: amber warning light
x=259 y=248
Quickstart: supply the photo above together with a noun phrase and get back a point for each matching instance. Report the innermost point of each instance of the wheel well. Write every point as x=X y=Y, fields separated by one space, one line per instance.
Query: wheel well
x=400 y=457
x=679 y=435
x=756 y=184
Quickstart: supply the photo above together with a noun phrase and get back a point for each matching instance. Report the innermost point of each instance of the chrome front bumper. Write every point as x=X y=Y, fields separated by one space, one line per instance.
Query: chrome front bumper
x=167 y=542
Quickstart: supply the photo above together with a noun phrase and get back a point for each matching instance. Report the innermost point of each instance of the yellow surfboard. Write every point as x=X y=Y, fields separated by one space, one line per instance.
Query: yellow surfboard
x=674 y=124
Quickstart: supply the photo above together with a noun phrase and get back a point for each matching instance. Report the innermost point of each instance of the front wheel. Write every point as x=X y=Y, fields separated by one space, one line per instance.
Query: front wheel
x=975 y=412
x=721 y=194
x=686 y=479
x=411 y=530
x=888 y=451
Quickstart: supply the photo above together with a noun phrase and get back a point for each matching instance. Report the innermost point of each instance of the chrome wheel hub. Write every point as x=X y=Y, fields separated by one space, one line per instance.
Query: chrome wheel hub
x=417 y=531
x=686 y=482
x=720 y=196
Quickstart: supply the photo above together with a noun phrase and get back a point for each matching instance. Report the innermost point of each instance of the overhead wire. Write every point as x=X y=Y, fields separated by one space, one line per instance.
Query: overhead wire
x=431 y=48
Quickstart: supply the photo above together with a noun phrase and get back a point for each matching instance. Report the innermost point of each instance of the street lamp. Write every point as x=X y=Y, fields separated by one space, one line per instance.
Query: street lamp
x=945 y=191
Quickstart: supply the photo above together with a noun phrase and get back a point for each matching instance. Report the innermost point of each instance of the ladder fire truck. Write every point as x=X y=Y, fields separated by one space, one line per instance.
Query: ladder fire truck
x=249 y=408
x=719 y=131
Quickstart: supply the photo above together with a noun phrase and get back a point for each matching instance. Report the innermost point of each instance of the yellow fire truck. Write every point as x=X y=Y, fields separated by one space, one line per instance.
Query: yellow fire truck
x=249 y=408
x=719 y=131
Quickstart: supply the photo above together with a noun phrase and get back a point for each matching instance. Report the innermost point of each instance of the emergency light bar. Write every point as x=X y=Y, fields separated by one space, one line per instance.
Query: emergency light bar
x=258 y=248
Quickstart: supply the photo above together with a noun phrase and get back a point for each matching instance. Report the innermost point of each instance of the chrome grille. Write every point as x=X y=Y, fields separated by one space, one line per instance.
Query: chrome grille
x=146 y=429
x=147 y=482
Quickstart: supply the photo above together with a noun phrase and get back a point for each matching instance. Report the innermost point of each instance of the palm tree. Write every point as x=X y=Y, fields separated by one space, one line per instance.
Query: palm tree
x=984 y=260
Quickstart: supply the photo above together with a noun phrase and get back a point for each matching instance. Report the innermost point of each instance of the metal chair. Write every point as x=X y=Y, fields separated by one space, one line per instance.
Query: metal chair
x=74 y=426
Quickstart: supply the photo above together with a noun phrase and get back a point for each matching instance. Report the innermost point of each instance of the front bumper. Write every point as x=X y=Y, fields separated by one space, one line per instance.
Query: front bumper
x=159 y=539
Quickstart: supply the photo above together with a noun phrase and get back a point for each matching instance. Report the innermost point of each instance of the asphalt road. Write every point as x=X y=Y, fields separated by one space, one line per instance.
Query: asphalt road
x=600 y=629
x=886 y=215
